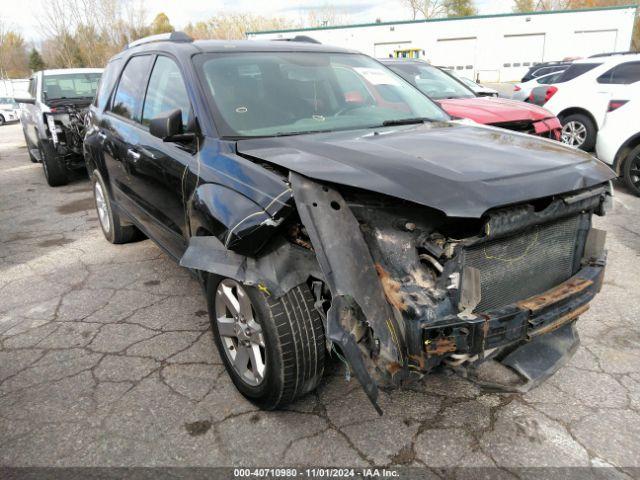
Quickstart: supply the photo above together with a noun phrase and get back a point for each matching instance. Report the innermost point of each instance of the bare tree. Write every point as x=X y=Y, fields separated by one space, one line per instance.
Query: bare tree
x=81 y=33
x=425 y=8
x=325 y=16
x=234 y=26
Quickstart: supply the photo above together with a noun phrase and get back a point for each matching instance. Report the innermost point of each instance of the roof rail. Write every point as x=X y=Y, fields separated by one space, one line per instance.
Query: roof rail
x=297 y=38
x=162 y=37
x=610 y=54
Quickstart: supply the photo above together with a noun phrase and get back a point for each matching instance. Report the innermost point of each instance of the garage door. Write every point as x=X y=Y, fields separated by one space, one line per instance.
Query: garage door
x=519 y=53
x=590 y=42
x=459 y=54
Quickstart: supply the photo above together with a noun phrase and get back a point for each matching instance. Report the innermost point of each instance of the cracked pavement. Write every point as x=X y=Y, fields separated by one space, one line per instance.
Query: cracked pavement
x=106 y=359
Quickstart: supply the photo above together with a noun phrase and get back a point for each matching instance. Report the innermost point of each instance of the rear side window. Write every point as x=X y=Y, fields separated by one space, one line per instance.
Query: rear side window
x=106 y=82
x=575 y=70
x=128 y=98
x=166 y=92
x=622 y=74
x=549 y=79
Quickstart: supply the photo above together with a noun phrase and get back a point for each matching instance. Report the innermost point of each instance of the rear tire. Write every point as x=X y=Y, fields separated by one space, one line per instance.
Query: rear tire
x=631 y=170
x=112 y=227
x=292 y=336
x=54 y=171
x=578 y=130
x=2 y=120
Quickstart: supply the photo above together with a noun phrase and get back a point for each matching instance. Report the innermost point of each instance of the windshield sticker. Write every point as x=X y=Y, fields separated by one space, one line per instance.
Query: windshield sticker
x=377 y=76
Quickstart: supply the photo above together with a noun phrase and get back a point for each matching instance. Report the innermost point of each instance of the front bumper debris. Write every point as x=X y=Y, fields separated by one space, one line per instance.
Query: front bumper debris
x=519 y=322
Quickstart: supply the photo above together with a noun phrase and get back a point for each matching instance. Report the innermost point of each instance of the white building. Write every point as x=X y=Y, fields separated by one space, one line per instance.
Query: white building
x=489 y=47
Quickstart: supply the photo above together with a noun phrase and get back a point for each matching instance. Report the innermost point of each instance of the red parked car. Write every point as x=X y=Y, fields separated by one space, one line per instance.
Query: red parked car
x=460 y=101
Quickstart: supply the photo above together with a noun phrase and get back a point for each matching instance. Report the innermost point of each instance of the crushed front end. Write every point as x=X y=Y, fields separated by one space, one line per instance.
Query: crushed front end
x=546 y=128
x=65 y=128
x=495 y=298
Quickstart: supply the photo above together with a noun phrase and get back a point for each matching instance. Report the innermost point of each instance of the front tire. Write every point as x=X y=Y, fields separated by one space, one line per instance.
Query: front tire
x=273 y=349
x=54 y=171
x=2 y=120
x=631 y=170
x=578 y=130
x=114 y=230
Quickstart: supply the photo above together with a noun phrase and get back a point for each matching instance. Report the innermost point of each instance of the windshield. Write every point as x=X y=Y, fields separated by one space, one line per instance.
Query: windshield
x=288 y=93
x=70 y=85
x=432 y=81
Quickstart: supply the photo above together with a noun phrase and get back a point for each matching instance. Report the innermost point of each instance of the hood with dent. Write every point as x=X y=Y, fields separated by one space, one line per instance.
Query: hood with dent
x=488 y=110
x=459 y=169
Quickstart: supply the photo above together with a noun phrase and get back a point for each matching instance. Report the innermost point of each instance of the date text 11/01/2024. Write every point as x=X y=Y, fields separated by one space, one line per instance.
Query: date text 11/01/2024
x=315 y=473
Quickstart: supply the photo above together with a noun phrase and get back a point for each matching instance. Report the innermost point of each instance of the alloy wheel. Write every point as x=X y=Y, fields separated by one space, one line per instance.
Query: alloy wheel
x=574 y=133
x=101 y=206
x=241 y=335
x=634 y=171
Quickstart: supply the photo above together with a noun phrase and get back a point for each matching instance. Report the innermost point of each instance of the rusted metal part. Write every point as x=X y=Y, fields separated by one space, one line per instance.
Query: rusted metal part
x=350 y=274
x=440 y=346
x=560 y=321
x=555 y=295
x=391 y=288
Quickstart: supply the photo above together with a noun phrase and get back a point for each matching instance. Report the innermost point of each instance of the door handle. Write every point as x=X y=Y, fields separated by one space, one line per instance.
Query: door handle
x=102 y=136
x=133 y=154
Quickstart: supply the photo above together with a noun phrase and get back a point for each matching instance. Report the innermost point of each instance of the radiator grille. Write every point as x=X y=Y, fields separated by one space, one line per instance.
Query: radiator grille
x=526 y=264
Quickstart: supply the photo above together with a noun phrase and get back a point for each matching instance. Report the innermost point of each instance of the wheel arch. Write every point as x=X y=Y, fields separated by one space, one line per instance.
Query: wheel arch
x=245 y=228
x=577 y=110
x=623 y=151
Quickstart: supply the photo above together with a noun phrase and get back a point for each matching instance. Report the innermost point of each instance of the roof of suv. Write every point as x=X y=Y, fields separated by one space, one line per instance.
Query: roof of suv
x=212 y=46
x=616 y=58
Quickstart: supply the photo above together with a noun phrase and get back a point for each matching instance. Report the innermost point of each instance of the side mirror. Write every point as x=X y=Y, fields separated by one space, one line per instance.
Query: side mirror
x=28 y=100
x=166 y=125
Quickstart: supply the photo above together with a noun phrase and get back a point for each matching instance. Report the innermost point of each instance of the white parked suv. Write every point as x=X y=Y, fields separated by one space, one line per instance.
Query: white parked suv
x=53 y=121
x=619 y=140
x=580 y=97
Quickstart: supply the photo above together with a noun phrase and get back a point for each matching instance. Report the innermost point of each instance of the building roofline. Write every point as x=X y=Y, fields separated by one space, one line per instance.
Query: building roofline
x=444 y=19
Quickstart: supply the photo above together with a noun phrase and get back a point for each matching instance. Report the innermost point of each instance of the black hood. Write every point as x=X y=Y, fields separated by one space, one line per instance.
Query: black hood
x=460 y=169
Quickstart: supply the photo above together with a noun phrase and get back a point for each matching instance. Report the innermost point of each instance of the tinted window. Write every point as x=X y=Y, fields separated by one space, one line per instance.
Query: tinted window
x=166 y=92
x=624 y=74
x=128 y=98
x=575 y=70
x=106 y=82
x=550 y=78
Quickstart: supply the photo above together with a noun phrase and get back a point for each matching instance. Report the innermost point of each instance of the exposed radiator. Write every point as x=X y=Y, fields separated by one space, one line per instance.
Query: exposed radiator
x=526 y=264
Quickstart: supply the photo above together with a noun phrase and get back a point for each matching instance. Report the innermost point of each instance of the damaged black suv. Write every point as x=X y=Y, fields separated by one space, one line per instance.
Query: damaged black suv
x=325 y=204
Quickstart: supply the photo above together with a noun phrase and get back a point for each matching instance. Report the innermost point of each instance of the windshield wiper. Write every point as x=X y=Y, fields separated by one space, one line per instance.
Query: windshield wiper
x=404 y=121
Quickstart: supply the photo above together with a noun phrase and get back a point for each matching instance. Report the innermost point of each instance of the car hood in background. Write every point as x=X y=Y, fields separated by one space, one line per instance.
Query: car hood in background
x=459 y=169
x=493 y=110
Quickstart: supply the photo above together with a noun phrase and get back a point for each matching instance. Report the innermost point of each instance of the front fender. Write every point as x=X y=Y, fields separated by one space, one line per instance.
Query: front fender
x=241 y=224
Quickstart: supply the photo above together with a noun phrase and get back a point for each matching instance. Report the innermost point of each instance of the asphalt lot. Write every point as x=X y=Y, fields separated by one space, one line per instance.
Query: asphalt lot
x=106 y=358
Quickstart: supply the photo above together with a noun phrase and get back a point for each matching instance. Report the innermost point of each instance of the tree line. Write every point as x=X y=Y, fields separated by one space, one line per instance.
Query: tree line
x=86 y=33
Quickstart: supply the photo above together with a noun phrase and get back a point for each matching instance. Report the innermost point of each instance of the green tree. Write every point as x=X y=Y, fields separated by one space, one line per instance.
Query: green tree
x=460 y=8
x=36 y=63
x=161 y=24
x=523 y=6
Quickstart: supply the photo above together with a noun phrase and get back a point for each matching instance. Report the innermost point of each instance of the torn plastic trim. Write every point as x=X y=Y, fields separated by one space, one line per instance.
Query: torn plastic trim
x=277 y=270
x=350 y=274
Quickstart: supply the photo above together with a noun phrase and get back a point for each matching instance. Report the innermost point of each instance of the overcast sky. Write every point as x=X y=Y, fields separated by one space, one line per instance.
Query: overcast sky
x=22 y=14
